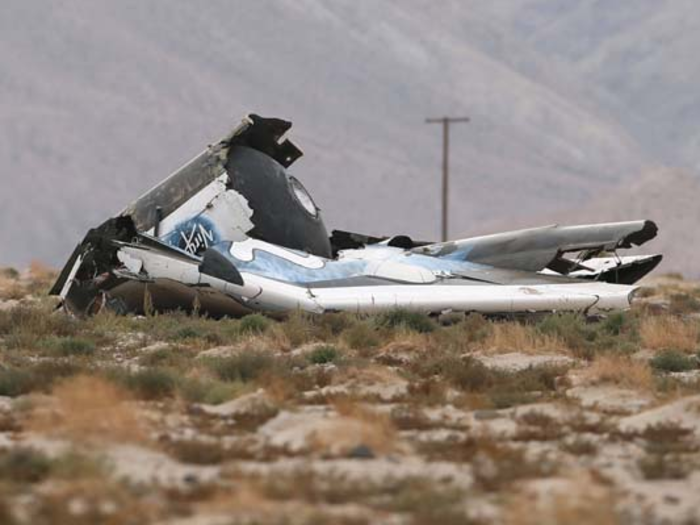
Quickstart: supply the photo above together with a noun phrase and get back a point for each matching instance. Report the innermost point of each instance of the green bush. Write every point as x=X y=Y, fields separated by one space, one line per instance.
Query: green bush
x=173 y=357
x=209 y=391
x=615 y=323
x=204 y=331
x=15 y=382
x=9 y=273
x=415 y=321
x=178 y=326
x=323 y=354
x=332 y=324
x=24 y=465
x=361 y=336
x=673 y=361
x=188 y=332
x=569 y=327
x=254 y=324
x=151 y=383
x=40 y=376
x=25 y=325
x=69 y=346
x=683 y=303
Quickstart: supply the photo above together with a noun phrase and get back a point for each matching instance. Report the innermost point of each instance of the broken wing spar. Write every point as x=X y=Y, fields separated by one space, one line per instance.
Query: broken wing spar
x=232 y=232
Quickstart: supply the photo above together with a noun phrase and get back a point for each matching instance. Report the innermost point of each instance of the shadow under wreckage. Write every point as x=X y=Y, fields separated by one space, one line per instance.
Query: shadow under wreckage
x=231 y=232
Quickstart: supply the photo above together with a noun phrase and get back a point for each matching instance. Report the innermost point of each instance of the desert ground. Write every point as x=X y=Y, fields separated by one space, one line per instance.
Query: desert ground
x=395 y=418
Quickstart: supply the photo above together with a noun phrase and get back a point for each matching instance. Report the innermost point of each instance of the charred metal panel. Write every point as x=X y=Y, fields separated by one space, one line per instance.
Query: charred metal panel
x=626 y=273
x=537 y=248
x=173 y=192
x=343 y=240
x=216 y=265
x=279 y=217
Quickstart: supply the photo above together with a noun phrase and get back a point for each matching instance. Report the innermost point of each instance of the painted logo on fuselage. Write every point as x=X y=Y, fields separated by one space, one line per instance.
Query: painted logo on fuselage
x=193 y=236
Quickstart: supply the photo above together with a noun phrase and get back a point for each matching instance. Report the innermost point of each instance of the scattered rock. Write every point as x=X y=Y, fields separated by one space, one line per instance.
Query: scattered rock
x=517 y=361
x=378 y=471
x=383 y=385
x=307 y=348
x=218 y=351
x=611 y=399
x=257 y=403
x=483 y=415
x=141 y=465
x=684 y=412
x=324 y=432
x=155 y=347
x=6 y=403
x=361 y=452
x=689 y=377
x=9 y=304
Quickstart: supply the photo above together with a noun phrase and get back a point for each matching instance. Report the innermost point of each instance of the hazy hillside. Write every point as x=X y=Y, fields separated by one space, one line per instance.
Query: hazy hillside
x=100 y=100
x=640 y=55
x=667 y=196
x=670 y=197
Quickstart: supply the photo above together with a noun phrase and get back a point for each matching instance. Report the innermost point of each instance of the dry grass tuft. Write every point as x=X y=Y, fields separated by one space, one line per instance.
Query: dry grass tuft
x=10 y=288
x=89 y=409
x=84 y=502
x=369 y=375
x=669 y=333
x=406 y=343
x=622 y=371
x=39 y=271
x=246 y=500
x=580 y=500
x=516 y=337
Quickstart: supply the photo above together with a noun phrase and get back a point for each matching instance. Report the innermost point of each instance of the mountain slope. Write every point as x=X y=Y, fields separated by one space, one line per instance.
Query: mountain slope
x=640 y=56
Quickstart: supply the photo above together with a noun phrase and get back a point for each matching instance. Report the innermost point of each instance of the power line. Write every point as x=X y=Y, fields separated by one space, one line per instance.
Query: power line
x=445 y=121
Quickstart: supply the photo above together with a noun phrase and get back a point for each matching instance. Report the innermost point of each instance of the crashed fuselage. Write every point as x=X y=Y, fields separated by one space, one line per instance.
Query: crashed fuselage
x=232 y=232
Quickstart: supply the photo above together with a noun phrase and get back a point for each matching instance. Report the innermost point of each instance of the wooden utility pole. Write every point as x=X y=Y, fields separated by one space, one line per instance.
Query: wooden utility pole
x=445 y=121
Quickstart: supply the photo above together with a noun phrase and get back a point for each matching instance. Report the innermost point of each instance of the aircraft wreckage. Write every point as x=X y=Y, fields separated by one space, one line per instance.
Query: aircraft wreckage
x=232 y=232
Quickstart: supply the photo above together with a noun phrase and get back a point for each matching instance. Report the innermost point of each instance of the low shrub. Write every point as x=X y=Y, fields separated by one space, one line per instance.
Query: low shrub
x=209 y=391
x=31 y=323
x=24 y=465
x=254 y=324
x=69 y=346
x=9 y=273
x=298 y=328
x=324 y=354
x=362 y=336
x=673 y=361
x=151 y=383
x=168 y=356
x=197 y=452
x=683 y=303
x=15 y=382
x=243 y=367
x=570 y=328
x=40 y=376
x=663 y=466
x=415 y=321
